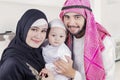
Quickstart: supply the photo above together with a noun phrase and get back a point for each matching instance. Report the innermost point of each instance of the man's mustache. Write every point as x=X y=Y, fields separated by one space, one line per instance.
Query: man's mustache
x=73 y=27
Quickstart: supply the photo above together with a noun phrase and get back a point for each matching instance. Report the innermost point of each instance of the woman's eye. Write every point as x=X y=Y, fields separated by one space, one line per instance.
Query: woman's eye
x=44 y=31
x=33 y=29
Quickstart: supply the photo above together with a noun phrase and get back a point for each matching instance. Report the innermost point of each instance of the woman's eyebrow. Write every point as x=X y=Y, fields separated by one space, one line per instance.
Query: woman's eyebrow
x=34 y=27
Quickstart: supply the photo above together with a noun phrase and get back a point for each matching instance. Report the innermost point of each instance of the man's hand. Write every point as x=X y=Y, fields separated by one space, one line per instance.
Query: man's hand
x=65 y=68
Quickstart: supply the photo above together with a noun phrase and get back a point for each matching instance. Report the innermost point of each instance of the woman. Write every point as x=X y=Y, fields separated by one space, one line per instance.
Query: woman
x=22 y=59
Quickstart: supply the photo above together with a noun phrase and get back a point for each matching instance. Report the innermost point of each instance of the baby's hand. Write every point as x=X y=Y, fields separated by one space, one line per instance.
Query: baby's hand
x=44 y=73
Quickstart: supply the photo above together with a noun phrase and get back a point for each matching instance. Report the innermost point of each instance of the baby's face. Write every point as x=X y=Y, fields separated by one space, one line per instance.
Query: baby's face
x=56 y=36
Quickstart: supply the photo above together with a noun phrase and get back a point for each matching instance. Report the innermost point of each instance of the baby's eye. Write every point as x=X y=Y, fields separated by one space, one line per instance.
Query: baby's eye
x=53 y=35
x=61 y=36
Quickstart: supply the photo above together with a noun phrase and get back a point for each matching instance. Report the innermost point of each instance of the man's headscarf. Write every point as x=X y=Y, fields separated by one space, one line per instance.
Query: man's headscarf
x=94 y=35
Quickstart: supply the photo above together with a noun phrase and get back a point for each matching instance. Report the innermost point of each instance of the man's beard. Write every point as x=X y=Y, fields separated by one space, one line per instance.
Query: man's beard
x=80 y=33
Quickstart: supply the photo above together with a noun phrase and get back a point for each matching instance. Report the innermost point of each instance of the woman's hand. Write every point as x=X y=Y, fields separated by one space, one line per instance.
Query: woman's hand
x=65 y=68
x=46 y=74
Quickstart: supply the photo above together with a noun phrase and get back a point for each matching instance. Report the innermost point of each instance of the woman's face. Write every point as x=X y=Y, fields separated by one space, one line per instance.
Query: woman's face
x=36 y=35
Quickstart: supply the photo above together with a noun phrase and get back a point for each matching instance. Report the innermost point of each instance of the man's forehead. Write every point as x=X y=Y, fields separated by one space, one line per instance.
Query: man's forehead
x=71 y=13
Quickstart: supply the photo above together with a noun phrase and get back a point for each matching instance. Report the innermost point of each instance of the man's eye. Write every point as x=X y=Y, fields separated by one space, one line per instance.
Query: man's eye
x=77 y=17
x=66 y=17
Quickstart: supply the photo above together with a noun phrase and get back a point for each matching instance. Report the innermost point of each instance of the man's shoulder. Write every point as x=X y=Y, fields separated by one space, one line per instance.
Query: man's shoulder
x=109 y=41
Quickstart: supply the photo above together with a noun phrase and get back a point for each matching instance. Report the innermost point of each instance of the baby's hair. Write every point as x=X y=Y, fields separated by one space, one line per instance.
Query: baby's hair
x=49 y=28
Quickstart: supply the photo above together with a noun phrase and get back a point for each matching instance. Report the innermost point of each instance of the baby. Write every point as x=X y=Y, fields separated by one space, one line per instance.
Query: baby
x=56 y=47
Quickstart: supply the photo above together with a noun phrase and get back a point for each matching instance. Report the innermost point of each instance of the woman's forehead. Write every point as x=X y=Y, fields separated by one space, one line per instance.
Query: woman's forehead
x=40 y=22
x=40 y=26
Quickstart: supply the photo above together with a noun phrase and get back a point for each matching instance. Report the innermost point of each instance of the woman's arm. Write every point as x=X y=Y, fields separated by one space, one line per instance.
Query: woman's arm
x=9 y=70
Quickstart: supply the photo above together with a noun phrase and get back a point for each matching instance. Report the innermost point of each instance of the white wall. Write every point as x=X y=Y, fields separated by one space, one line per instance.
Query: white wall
x=96 y=7
x=110 y=16
x=12 y=10
x=106 y=12
x=10 y=13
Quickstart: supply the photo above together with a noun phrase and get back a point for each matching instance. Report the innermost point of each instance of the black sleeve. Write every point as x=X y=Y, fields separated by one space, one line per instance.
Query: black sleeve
x=9 y=70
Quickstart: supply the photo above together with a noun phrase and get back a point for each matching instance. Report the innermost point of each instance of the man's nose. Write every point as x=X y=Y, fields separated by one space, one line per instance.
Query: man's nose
x=71 y=22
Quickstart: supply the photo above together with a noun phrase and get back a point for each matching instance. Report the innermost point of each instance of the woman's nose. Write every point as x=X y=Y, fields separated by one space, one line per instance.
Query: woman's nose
x=39 y=35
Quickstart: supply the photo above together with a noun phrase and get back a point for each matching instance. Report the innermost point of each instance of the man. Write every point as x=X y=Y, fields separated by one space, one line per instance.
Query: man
x=92 y=47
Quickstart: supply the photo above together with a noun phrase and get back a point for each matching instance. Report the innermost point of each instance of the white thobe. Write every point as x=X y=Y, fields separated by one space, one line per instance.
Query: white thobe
x=108 y=56
x=51 y=54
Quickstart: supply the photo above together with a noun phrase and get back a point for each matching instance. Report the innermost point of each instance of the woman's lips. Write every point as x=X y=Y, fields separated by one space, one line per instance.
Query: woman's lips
x=36 y=41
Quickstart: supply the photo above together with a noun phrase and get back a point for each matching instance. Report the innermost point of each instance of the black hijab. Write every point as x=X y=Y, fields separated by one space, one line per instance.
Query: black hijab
x=18 y=47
